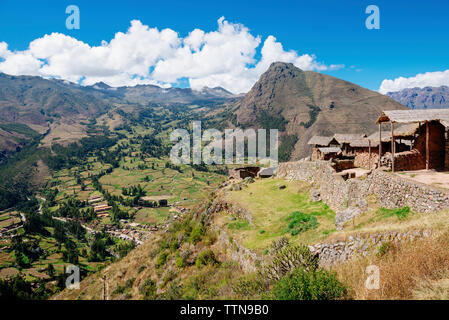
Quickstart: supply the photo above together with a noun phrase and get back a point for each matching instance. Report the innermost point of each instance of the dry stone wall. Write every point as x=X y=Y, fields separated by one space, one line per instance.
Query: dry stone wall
x=359 y=245
x=391 y=190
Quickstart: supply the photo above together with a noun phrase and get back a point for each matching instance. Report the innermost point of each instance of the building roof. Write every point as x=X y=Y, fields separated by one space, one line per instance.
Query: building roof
x=321 y=140
x=364 y=143
x=348 y=137
x=330 y=150
x=402 y=132
x=410 y=116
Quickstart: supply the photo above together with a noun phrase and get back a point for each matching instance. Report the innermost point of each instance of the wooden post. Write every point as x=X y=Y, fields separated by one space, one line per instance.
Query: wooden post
x=392 y=146
x=380 y=144
x=427 y=145
x=105 y=296
x=369 y=151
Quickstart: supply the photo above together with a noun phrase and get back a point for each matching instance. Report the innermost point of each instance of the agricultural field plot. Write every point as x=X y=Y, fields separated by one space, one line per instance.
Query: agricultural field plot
x=277 y=211
x=38 y=268
x=180 y=185
x=8 y=219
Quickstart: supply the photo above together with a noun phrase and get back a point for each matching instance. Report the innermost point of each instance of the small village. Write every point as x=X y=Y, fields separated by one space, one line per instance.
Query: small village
x=408 y=141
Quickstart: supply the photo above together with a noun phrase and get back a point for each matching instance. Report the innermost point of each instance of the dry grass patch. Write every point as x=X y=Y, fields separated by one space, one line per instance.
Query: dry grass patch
x=407 y=271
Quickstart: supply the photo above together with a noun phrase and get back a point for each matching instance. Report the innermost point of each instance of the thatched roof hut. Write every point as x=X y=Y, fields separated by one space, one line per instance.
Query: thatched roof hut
x=364 y=143
x=435 y=120
x=327 y=150
x=415 y=116
x=322 y=141
x=348 y=137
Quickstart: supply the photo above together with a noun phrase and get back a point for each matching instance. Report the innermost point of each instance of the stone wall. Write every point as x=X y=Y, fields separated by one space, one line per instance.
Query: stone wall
x=247 y=259
x=409 y=160
x=361 y=245
x=391 y=190
x=362 y=159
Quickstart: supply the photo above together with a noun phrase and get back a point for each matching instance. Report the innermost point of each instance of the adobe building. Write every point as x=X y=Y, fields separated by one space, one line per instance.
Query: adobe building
x=243 y=172
x=428 y=142
x=366 y=150
x=345 y=140
x=324 y=148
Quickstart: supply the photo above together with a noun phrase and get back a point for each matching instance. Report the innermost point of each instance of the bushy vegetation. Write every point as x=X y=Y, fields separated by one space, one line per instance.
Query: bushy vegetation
x=205 y=258
x=313 y=114
x=197 y=232
x=300 y=222
x=270 y=121
x=309 y=285
x=286 y=147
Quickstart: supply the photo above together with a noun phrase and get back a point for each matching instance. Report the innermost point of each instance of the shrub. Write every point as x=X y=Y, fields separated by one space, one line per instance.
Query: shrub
x=300 y=222
x=162 y=259
x=206 y=257
x=309 y=285
x=179 y=261
x=250 y=286
x=197 y=233
x=287 y=258
x=210 y=238
x=148 y=289
x=383 y=249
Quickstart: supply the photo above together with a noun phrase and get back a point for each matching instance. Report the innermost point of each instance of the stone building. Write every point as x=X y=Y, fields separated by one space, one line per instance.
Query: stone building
x=428 y=139
x=345 y=140
x=324 y=148
x=243 y=172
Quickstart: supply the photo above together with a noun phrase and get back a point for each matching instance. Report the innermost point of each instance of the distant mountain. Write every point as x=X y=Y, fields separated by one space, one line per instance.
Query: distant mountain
x=145 y=94
x=422 y=98
x=305 y=103
x=30 y=106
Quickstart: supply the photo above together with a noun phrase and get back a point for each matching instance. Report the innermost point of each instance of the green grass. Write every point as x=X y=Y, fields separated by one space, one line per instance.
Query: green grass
x=239 y=225
x=20 y=128
x=271 y=208
x=400 y=213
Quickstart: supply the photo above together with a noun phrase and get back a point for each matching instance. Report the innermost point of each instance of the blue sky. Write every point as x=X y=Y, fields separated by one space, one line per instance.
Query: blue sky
x=413 y=36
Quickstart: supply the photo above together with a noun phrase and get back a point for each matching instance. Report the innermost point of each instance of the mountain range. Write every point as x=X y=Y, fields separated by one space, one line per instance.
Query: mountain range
x=32 y=105
x=298 y=103
x=422 y=98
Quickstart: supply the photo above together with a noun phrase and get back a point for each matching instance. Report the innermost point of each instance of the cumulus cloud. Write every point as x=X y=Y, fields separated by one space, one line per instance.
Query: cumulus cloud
x=225 y=57
x=421 y=80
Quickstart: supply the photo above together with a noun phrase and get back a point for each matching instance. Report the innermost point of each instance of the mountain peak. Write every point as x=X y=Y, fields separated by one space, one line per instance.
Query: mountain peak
x=303 y=103
x=282 y=67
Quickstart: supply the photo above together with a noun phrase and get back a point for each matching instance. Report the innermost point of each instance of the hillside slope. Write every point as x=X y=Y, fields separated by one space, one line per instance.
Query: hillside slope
x=311 y=103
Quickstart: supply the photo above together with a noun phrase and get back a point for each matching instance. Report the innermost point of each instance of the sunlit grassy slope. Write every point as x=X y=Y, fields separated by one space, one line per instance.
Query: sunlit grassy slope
x=270 y=207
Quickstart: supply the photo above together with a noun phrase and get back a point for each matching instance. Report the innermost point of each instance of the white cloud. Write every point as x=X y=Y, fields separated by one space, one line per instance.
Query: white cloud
x=225 y=57
x=421 y=80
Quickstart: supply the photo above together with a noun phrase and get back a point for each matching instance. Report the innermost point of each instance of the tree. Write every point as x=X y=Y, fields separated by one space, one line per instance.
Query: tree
x=50 y=270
